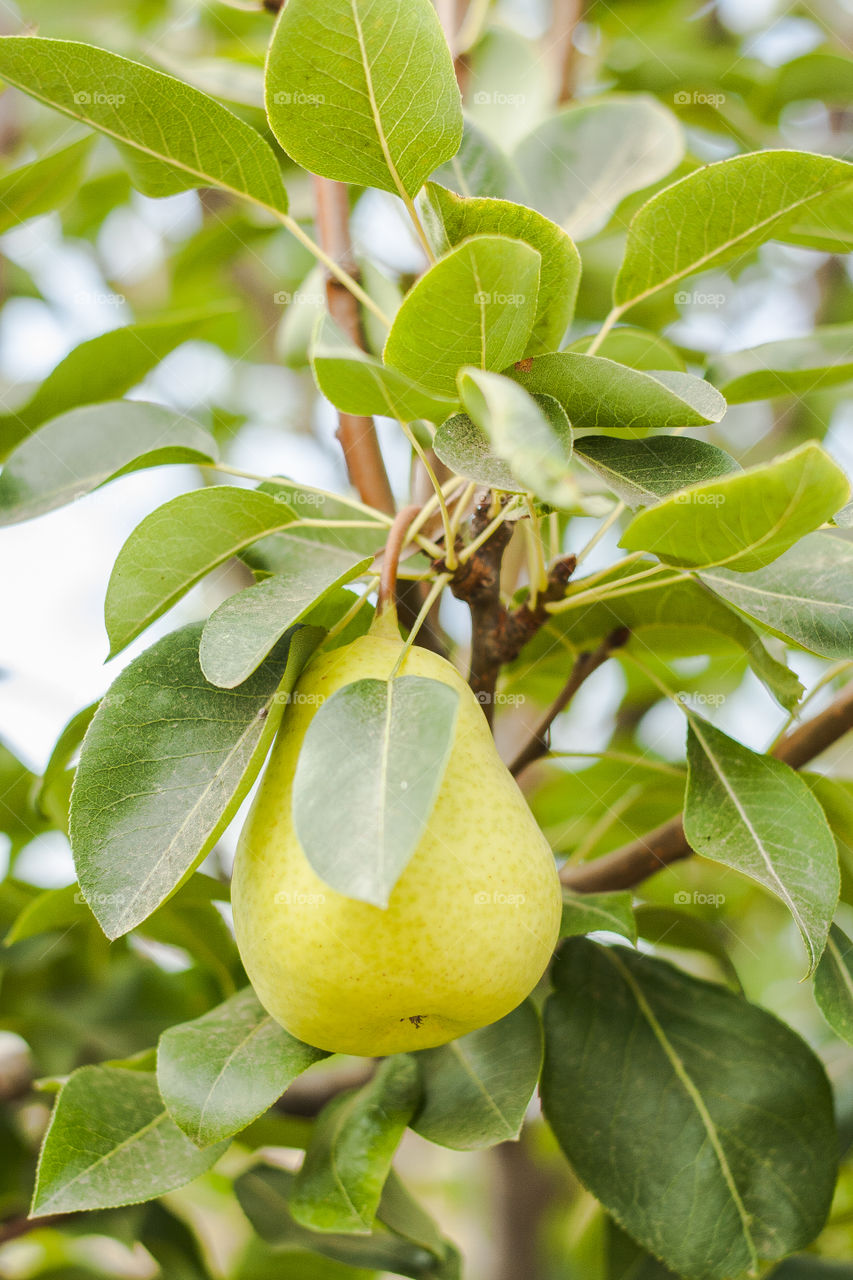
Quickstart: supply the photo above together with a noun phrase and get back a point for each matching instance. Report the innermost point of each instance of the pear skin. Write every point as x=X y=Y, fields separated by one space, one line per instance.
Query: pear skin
x=470 y=925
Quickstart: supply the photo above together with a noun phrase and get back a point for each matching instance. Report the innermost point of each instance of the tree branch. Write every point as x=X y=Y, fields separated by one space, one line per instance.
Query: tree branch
x=357 y=434
x=626 y=867
x=584 y=665
x=497 y=633
x=567 y=15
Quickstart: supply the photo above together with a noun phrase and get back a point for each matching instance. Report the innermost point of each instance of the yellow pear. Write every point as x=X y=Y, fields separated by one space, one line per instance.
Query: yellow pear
x=470 y=924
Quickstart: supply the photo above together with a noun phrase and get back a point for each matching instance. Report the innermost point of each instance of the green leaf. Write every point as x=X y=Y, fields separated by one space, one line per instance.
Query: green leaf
x=582 y=162
x=476 y=1089
x=364 y=91
x=405 y=1216
x=101 y=368
x=111 y=1142
x=18 y=817
x=745 y=520
x=825 y=224
x=479 y=168
x=176 y=545
x=532 y=436
x=844 y=518
x=681 y=928
x=349 y=1157
x=54 y=793
x=678 y=608
x=165 y=764
x=273 y=554
x=753 y=813
x=240 y=633
x=733 y=1154
x=638 y=348
x=359 y=383
x=812 y=1268
x=717 y=213
x=381 y=748
x=450 y=219
x=467 y=449
x=264 y=1195
x=805 y=596
x=833 y=984
x=596 y=912
x=219 y=1072
x=80 y=450
x=793 y=367
x=172 y=1244
x=598 y=393
x=476 y=306
x=205 y=145
x=43 y=185
x=642 y=471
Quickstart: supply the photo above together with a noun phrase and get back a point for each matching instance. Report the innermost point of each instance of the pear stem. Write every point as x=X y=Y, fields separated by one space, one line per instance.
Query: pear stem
x=397 y=538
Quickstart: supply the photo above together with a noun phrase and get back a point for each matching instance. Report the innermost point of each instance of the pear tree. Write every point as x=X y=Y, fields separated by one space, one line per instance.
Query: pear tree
x=495 y=796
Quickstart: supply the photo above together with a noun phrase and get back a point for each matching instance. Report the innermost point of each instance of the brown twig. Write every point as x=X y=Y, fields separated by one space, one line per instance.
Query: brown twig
x=584 y=665
x=356 y=433
x=634 y=862
x=451 y=14
x=478 y=583
x=566 y=16
x=14 y=1228
x=391 y=556
x=497 y=633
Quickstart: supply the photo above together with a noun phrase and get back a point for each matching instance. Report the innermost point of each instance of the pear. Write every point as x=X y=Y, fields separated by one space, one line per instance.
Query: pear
x=470 y=924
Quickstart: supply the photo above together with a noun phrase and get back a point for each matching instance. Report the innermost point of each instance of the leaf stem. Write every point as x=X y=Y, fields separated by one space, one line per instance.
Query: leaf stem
x=626 y=587
x=621 y=757
x=490 y=528
x=600 y=532
x=462 y=502
x=431 y=597
x=539 y=572
x=337 y=271
x=360 y=600
x=826 y=678
x=588 y=581
x=412 y=211
x=554 y=535
x=379 y=517
x=450 y=551
x=609 y=322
